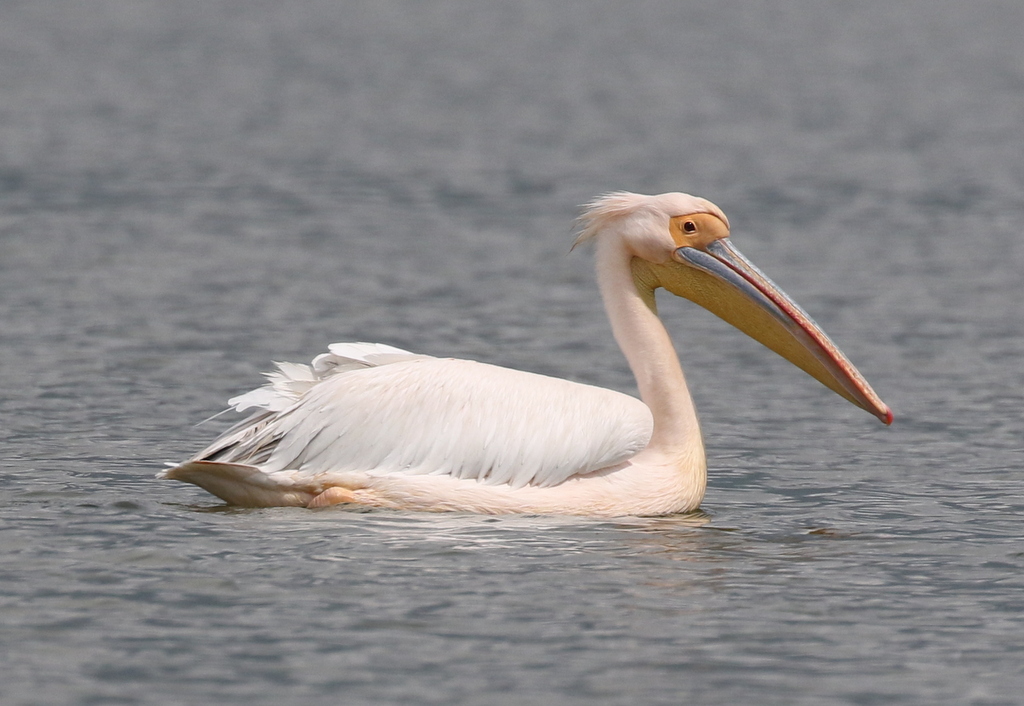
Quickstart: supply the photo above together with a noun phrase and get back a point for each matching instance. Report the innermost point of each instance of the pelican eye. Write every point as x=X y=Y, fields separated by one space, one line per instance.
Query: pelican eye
x=690 y=227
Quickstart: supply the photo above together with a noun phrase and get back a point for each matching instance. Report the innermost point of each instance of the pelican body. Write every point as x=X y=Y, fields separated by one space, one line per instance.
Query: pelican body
x=372 y=425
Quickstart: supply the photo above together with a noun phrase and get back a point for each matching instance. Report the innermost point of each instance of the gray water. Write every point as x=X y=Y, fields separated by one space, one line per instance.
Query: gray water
x=191 y=190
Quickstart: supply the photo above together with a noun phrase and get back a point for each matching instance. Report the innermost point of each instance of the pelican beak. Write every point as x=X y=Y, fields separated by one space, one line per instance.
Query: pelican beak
x=719 y=278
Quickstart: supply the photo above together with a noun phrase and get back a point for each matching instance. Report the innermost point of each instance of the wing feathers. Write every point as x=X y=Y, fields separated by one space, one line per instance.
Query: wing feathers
x=381 y=410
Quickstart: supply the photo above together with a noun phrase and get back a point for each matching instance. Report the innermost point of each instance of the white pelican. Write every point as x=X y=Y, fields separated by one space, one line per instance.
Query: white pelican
x=376 y=426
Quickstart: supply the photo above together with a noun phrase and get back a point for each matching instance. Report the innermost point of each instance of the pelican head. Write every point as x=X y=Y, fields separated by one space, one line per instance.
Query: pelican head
x=681 y=243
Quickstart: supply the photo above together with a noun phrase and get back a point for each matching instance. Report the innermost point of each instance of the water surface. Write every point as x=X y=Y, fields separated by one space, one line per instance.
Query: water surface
x=189 y=191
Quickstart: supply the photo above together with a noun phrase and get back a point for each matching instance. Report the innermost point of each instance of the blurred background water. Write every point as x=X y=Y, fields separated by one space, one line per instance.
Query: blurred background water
x=190 y=190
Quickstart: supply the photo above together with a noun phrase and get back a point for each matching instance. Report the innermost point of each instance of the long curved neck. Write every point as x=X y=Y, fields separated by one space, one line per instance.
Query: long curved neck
x=629 y=301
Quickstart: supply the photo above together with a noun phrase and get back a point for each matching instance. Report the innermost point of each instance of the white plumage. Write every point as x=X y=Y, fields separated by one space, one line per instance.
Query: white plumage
x=375 y=425
x=457 y=418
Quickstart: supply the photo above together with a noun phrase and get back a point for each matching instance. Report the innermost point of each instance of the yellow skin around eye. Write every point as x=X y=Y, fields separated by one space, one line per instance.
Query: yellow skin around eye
x=707 y=229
